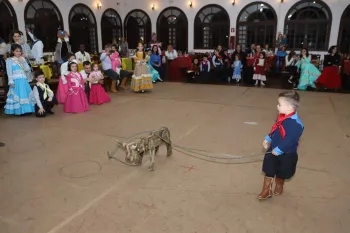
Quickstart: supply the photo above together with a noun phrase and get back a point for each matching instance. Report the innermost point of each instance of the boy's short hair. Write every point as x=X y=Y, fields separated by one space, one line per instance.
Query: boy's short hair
x=38 y=73
x=86 y=63
x=291 y=97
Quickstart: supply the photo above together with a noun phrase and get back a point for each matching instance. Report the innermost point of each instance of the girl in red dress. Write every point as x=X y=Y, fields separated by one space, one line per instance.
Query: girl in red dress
x=97 y=94
x=76 y=100
x=330 y=77
x=259 y=70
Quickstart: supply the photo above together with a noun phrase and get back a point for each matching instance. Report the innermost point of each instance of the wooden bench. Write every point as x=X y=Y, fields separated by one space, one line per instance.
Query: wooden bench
x=107 y=81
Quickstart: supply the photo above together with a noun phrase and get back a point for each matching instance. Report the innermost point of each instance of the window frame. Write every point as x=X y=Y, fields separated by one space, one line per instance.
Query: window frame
x=343 y=23
x=266 y=23
x=307 y=23
x=48 y=46
x=209 y=25
x=92 y=25
x=172 y=28
x=117 y=27
x=143 y=30
x=13 y=19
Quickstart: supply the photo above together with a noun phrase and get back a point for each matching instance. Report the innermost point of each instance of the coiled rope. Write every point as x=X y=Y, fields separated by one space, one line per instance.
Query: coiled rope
x=196 y=153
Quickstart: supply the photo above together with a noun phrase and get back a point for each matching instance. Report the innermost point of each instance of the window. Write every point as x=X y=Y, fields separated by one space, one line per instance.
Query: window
x=308 y=24
x=211 y=27
x=8 y=20
x=172 y=28
x=82 y=27
x=137 y=27
x=256 y=24
x=111 y=27
x=43 y=18
x=344 y=32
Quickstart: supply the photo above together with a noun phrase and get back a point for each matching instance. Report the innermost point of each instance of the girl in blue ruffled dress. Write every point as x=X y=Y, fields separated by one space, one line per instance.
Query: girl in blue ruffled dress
x=151 y=70
x=19 y=98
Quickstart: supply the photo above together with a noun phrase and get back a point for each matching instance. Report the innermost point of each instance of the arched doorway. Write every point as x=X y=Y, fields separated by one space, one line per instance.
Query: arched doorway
x=256 y=24
x=8 y=20
x=43 y=18
x=211 y=27
x=83 y=28
x=111 y=27
x=137 y=26
x=308 y=24
x=172 y=28
x=344 y=32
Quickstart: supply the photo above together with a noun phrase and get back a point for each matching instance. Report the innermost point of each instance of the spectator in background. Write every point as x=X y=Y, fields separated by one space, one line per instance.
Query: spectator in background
x=3 y=54
x=82 y=56
x=63 y=47
x=281 y=55
x=37 y=47
x=171 y=53
x=251 y=51
x=107 y=67
x=124 y=48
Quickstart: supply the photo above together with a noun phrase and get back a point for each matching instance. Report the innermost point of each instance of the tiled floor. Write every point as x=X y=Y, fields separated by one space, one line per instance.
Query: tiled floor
x=55 y=176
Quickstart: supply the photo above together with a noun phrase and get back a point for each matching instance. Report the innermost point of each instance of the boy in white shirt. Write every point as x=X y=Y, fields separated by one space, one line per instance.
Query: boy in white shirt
x=37 y=47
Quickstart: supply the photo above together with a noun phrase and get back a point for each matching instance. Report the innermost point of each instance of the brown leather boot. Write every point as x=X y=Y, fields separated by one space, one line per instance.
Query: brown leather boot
x=279 y=186
x=123 y=83
x=267 y=189
x=113 y=86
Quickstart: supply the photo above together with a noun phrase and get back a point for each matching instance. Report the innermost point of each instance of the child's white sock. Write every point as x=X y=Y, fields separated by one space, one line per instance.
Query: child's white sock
x=262 y=83
x=256 y=82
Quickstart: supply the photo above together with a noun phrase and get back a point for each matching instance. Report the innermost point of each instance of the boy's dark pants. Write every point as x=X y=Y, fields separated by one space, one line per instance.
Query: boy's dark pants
x=282 y=166
x=47 y=105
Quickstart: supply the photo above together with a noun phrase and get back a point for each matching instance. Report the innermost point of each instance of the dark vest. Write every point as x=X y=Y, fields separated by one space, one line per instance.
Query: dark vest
x=41 y=93
x=64 y=50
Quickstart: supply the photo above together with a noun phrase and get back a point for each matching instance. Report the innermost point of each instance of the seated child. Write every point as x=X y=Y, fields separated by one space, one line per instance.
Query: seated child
x=44 y=98
x=194 y=71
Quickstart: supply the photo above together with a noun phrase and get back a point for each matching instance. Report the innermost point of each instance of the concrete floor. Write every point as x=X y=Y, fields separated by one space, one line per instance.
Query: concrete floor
x=105 y=196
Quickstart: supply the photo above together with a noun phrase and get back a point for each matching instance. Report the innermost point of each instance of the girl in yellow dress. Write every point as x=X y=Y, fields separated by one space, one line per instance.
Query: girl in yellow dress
x=142 y=79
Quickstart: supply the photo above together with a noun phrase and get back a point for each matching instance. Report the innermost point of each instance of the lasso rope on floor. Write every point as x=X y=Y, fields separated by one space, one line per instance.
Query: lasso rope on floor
x=196 y=153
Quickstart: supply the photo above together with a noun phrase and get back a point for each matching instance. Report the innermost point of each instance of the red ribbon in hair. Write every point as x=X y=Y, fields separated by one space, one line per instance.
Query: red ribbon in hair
x=278 y=124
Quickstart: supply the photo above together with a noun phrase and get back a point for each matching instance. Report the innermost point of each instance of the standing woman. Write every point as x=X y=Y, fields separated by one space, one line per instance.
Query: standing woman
x=18 y=100
x=330 y=77
x=18 y=38
x=124 y=48
x=156 y=62
x=308 y=72
x=242 y=55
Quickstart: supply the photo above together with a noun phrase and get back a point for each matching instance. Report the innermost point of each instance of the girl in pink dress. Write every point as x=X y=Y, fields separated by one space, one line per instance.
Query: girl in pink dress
x=97 y=94
x=76 y=100
x=116 y=62
x=62 y=82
